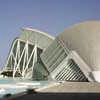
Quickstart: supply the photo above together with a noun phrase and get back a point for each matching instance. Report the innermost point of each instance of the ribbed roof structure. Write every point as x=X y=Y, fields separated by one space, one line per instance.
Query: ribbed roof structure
x=74 y=53
x=41 y=39
x=25 y=53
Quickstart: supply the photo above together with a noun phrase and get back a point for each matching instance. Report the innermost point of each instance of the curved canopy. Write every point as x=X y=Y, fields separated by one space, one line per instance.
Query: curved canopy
x=41 y=39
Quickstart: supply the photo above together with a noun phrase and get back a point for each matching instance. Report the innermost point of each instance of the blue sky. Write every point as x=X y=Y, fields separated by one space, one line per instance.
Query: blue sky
x=51 y=16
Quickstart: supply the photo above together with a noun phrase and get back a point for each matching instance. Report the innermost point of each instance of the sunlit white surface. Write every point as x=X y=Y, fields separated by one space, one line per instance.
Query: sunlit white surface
x=12 y=86
x=23 y=83
x=96 y=75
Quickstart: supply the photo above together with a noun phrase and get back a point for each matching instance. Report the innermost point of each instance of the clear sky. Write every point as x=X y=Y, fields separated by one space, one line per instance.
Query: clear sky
x=51 y=16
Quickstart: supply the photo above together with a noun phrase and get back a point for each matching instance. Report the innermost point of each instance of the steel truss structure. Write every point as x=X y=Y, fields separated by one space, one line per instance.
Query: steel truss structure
x=25 y=53
x=22 y=57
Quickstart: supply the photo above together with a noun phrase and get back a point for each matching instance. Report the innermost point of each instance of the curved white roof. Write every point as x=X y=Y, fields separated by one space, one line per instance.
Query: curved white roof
x=42 y=39
x=84 y=38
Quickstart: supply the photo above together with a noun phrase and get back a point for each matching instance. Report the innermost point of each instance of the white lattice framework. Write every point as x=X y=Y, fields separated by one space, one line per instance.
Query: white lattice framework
x=21 y=55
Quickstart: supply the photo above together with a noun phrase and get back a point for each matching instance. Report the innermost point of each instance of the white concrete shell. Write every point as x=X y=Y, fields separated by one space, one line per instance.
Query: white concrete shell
x=84 y=38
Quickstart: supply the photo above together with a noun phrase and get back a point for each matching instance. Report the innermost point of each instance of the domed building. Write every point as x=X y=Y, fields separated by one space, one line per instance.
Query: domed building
x=84 y=38
x=77 y=47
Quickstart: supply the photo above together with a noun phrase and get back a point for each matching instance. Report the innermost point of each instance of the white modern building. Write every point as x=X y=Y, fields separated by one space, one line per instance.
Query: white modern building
x=25 y=52
x=72 y=56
